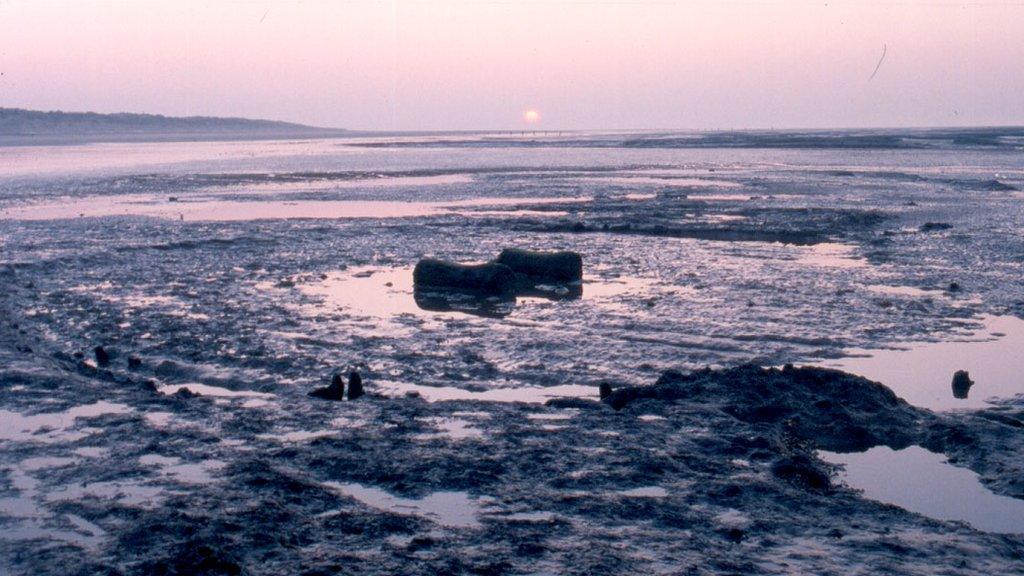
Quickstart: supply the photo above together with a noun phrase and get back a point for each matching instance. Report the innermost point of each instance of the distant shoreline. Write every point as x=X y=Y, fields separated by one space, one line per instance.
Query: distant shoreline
x=21 y=127
x=156 y=137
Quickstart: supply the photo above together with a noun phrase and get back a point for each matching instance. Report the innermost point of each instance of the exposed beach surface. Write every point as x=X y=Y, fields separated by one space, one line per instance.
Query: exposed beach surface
x=778 y=316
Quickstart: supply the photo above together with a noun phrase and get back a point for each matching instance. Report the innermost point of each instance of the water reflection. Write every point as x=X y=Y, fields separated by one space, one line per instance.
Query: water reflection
x=924 y=482
x=489 y=307
x=453 y=509
x=921 y=372
x=384 y=293
x=961 y=384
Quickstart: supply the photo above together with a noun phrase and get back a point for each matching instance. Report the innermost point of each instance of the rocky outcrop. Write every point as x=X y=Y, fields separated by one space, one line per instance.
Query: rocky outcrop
x=831 y=409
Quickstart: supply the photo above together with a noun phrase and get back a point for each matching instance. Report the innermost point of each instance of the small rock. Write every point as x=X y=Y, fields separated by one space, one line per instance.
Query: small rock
x=954 y=287
x=336 y=391
x=605 y=390
x=355 y=385
x=734 y=535
x=102 y=356
x=961 y=384
x=935 y=226
x=134 y=362
x=184 y=393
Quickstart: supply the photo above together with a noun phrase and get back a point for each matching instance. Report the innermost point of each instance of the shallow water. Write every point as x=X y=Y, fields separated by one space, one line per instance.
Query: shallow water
x=53 y=426
x=924 y=482
x=922 y=373
x=383 y=293
x=454 y=509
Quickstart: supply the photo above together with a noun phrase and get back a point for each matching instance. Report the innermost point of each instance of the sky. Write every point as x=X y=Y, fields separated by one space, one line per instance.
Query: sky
x=585 y=64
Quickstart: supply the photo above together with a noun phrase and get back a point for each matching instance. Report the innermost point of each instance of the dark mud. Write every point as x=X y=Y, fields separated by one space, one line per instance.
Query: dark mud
x=206 y=455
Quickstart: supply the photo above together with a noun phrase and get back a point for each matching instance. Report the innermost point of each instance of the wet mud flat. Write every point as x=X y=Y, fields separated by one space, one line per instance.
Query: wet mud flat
x=196 y=448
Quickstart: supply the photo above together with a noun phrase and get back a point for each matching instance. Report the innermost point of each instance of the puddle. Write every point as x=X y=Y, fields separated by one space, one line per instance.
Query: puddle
x=567 y=415
x=82 y=533
x=299 y=435
x=924 y=482
x=720 y=197
x=646 y=492
x=214 y=391
x=526 y=517
x=385 y=293
x=380 y=181
x=158 y=419
x=187 y=473
x=527 y=394
x=830 y=255
x=454 y=428
x=368 y=291
x=675 y=181
x=922 y=374
x=452 y=509
x=212 y=209
x=54 y=426
x=902 y=291
x=513 y=213
x=650 y=417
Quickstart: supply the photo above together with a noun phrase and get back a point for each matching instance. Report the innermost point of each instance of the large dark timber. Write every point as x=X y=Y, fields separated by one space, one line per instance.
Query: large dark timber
x=156 y=362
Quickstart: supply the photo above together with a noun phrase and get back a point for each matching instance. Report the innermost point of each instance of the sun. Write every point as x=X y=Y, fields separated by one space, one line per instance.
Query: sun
x=531 y=116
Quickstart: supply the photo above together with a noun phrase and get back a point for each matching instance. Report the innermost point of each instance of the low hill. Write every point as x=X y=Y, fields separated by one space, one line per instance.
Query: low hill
x=32 y=126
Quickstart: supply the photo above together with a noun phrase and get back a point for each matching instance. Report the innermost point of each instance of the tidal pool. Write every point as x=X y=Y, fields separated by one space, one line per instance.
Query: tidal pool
x=53 y=426
x=212 y=208
x=922 y=373
x=386 y=292
x=925 y=483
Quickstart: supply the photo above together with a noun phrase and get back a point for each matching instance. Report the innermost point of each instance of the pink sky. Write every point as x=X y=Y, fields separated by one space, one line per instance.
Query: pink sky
x=469 y=65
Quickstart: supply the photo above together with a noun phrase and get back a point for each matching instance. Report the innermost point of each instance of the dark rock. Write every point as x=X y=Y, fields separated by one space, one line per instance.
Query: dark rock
x=487 y=278
x=801 y=470
x=827 y=408
x=961 y=384
x=185 y=394
x=476 y=304
x=355 y=385
x=934 y=226
x=734 y=535
x=605 y=390
x=134 y=362
x=196 y=558
x=102 y=356
x=562 y=266
x=336 y=391
x=570 y=402
x=954 y=287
